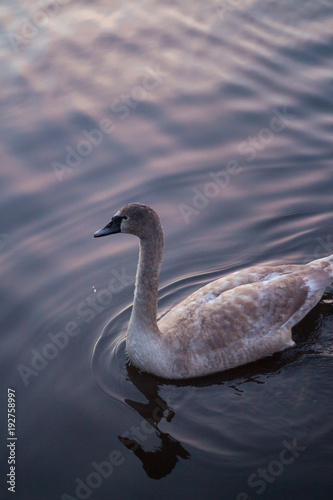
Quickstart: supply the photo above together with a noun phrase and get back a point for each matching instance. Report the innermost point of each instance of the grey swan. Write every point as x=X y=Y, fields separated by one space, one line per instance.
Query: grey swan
x=242 y=317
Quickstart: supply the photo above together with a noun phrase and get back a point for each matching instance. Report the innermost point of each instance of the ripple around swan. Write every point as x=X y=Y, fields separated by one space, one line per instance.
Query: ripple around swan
x=108 y=359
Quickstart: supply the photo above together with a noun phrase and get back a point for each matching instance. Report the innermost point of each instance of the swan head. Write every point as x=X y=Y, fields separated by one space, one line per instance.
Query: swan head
x=134 y=218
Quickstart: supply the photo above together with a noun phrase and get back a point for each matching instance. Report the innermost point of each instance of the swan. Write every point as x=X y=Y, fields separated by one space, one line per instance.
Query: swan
x=234 y=320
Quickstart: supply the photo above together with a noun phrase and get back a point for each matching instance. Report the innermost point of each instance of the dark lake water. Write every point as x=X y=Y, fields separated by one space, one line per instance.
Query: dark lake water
x=218 y=115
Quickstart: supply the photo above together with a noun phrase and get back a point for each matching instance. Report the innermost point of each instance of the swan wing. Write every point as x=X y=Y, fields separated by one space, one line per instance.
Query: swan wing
x=217 y=331
x=236 y=279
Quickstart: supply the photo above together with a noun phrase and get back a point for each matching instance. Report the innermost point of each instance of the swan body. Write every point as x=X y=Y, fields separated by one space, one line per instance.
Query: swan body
x=229 y=322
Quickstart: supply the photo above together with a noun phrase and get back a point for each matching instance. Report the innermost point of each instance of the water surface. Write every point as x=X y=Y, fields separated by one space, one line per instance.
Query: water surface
x=219 y=115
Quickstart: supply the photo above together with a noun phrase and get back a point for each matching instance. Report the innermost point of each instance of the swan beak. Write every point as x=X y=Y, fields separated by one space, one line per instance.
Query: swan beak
x=112 y=228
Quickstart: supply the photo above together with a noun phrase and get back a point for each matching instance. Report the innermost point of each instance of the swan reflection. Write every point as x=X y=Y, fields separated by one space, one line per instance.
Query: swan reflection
x=160 y=461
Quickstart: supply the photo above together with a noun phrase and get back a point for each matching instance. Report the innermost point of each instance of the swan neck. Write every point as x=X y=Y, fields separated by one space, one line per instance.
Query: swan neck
x=146 y=287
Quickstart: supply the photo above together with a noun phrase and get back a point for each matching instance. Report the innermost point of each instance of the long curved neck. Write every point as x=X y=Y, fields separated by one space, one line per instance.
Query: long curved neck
x=146 y=286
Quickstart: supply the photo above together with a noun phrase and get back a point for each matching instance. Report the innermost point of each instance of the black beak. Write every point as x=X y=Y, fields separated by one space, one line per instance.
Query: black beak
x=112 y=228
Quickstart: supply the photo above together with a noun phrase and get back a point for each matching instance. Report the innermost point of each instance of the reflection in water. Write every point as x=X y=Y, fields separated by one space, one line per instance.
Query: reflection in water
x=160 y=462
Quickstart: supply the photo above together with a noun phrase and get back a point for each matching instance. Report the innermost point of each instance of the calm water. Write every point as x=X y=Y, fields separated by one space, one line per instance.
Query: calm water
x=219 y=115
